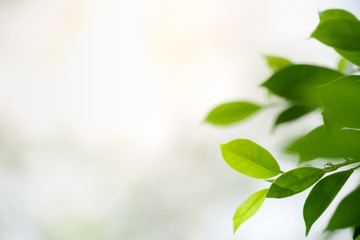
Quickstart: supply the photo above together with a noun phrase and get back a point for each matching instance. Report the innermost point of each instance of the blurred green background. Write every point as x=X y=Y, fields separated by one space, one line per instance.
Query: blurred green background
x=101 y=116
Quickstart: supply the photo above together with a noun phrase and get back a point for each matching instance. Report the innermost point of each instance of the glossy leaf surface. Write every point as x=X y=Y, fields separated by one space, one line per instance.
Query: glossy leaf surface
x=294 y=181
x=277 y=63
x=347 y=214
x=322 y=194
x=248 y=208
x=298 y=83
x=232 y=112
x=250 y=159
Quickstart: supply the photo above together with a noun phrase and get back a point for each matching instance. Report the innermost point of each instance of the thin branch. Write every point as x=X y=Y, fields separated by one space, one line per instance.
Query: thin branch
x=335 y=167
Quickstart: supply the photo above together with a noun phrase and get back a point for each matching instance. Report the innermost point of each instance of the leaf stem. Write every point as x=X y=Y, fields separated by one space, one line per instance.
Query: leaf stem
x=335 y=167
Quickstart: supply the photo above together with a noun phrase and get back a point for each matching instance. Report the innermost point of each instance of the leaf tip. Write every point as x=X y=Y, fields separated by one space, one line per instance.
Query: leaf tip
x=222 y=146
x=235 y=228
x=236 y=223
x=307 y=230
x=264 y=84
x=313 y=34
x=320 y=14
x=206 y=120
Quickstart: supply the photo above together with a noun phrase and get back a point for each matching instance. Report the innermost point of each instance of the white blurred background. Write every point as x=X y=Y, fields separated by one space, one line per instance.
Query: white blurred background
x=101 y=116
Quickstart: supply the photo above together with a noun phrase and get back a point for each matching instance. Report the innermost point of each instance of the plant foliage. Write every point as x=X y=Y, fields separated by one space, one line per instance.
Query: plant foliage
x=305 y=88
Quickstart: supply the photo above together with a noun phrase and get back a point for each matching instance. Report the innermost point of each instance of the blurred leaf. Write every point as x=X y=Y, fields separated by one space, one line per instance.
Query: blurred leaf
x=292 y=113
x=343 y=143
x=336 y=14
x=294 y=181
x=322 y=194
x=313 y=145
x=341 y=65
x=344 y=66
x=248 y=208
x=346 y=143
x=347 y=213
x=250 y=159
x=339 y=33
x=330 y=125
x=232 y=112
x=298 y=83
x=270 y=180
x=341 y=100
x=277 y=63
x=356 y=235
x=351 y=56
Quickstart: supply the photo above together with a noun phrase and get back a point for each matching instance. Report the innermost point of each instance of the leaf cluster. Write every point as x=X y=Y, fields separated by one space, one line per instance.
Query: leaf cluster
x=305 y=88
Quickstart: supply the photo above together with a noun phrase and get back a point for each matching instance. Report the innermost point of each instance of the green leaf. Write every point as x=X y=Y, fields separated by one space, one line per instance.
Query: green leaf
x=277 y=63
x=341 y=67
x=336 y=14
x=298 y=83
x=250 y=159
x=322 y=194
x=351 y=56
x=346 y=143
x=343 y=143
x=330 y=124
x=231 y=112
x=339 y=33
x=344 y=66
x=270 y=180
x=356 y=234
x=347 y=214
x=294 y=181
x=341 y=100
x=313 y=145
x=292 y=113
x=248 y=208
